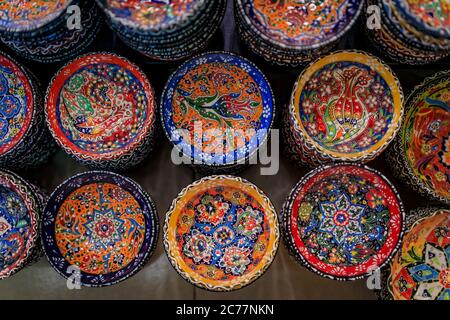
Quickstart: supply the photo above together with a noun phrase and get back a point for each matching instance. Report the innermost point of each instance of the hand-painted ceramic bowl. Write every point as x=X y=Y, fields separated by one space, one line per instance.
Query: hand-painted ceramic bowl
x=164 y=30
x=46 y=31
x=20 y=209
x=346 y=106
x=221 y=233
x=101 y=110
x=420 y=155
x=299 y=30
x=24 y=138
x=421 y=268
x=217 y=110
x=411 y=32
x=343 y=221
x=103 y=224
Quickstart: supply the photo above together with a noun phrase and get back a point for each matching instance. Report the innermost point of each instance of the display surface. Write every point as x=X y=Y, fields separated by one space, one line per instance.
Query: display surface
x=217 y=94
x=421 y=153
x=100 y=107
x=17 y=104
x=101 y=222
x=19 y=223
x=303 y=24
x=19 y=15
x=221 y=233
x=346 y=106
x=343 y=220
x=421 y=268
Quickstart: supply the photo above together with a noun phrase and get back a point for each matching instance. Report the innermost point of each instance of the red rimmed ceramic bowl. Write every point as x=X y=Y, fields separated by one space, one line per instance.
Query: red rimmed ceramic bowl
x=343 y=221
x=101 y=110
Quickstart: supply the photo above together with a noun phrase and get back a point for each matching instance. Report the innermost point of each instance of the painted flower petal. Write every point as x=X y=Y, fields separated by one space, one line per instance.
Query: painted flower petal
x=328 y=209
x=343 y=203
x=445 y=295
x=428 y=291
x=355 y=211
x=435 y=257
x=354 y=227
x=340 y=233
x=423 y=272
x=327 y=225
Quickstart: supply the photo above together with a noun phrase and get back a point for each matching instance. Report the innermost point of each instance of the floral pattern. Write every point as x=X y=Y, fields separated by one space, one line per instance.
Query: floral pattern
x=225 y=236
x=421 y=270
x=302 y=23
x=346 y=106
x=344 y=220
x=100 y=228
x=16 y=104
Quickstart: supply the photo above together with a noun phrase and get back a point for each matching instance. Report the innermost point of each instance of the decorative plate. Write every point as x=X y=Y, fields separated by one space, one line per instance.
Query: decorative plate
x=152 y=15
x=421 y=153
x=21 y=16
x=221 y=233
x=432 y=17
x=19 y=223
x=300 y=24
x=421 y=268
x=100 y=107
x=17 y=104
x=223 y=98
x=343 y=221
x=102 y=223
x=347 y=106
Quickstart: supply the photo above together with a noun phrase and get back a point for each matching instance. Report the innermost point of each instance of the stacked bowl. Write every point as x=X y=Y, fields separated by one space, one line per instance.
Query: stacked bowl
x=294 y=32
x=48 y=31
x=165 y=30
x=346 y=106
x=410 y=32
x=420 y=155
x=101 y=110
x=24 y=138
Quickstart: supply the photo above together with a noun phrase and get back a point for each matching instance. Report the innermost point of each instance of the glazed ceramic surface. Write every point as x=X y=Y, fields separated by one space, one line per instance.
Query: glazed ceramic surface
x=19 y=15
x=300 y=24
x=100 y=106
x=347 y=106
x=19 y=221
x=343 y=221
x=17 y=104
x=221 y=233
x=223 y=97
x=421 y=268
x=103 y=223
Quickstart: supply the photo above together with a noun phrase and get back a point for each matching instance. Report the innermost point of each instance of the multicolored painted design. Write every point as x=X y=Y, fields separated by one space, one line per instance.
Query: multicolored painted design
x=221 y=233
x=19 y=15
x=432 y=17
x=421 y=269
x=304 y=24
x=100 y=106
x=16 y=104
x=153 y=14
x=19 y=221
x=348 y=105
x=217 y=95
x=425 y=136
x=100 y=228
x=101 y=222
x=343 y=221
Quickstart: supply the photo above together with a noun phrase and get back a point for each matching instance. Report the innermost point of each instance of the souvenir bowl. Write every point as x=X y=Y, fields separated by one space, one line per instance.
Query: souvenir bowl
x=20 y=209
x=420 y=269
x=101 y=110
x=343 y=221
x=55 y=41
x=221 y=233
x=24 y=138
x=420 y=155
x=101 y=224
x=299 y=30
x=346 y=106
x=217 y=110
